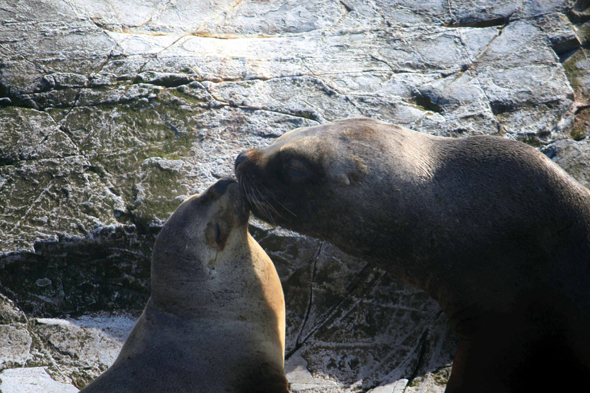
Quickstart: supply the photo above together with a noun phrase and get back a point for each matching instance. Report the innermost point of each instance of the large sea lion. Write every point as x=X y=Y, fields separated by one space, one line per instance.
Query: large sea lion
x=215 y=320
x=491 y=228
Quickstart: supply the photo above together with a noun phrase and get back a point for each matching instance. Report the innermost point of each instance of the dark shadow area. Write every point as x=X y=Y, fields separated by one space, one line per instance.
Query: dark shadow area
x=105 y=271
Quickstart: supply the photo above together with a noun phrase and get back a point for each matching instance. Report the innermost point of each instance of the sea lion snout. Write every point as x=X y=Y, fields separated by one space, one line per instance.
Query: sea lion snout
x=243 y=156
x=250 y=157
x=226 y=194
x=224 y=189
x=221 y=185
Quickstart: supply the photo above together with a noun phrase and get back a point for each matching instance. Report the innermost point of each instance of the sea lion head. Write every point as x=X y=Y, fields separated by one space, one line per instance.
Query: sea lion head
x=309 y=180
x=204 y=232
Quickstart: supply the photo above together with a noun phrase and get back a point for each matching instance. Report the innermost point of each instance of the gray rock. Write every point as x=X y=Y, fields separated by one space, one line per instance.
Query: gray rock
x=32 y=380
x=15 y=340
x=112 y=113
x=55 y=354
x=77 y=354
x=573 y=157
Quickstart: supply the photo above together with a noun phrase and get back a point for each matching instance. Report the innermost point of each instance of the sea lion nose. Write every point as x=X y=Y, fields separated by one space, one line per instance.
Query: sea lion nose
x=243 y=156
x=221 y=185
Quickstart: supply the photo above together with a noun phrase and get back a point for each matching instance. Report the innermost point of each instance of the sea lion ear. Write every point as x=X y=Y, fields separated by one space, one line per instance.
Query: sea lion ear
x=341 y=173
x=343 y=178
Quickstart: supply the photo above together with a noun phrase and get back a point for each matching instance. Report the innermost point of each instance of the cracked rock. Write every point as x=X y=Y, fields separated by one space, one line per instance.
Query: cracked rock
x=112 y=113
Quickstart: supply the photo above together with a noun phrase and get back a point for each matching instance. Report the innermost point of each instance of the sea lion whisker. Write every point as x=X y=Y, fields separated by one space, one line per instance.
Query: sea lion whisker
x=262 y=206
x=268 y=204
x=244 y=185
x=268 y=207
x=277 y=201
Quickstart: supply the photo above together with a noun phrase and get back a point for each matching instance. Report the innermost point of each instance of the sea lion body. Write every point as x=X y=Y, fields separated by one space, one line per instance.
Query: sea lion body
x=492 y=229
x=215 y=320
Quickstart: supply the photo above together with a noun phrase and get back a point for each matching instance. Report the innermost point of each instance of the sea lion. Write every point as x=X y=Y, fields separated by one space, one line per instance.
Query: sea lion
x=215 y=320
x=491 y=228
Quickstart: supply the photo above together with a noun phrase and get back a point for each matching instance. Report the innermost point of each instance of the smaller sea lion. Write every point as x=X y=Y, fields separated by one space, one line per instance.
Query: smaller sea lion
x=491 y=228
x=215 y=320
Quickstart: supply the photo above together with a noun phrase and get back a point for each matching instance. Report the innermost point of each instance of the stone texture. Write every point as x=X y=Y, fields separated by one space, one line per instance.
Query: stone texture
x=78 y=355
x=32 y=380
x=57 y=354
x=112 y=113
x=15 y=340
x=573 y=157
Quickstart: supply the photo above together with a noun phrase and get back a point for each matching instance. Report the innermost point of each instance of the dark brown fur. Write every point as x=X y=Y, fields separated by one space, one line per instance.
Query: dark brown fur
x=489 y=227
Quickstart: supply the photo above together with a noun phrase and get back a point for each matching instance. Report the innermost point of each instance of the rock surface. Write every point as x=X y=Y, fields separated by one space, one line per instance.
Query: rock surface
x=32 y=380
x=112 y=113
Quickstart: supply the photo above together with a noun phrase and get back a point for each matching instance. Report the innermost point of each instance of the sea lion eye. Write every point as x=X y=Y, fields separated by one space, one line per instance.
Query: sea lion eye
x=296 y=169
